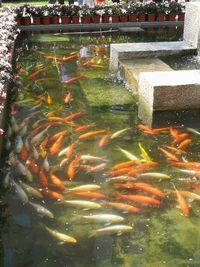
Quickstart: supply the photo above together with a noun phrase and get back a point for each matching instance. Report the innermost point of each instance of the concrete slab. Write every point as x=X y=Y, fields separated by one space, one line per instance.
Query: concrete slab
x=151 y=49
x=131 y=29
x=131 y=69
x=168 y=91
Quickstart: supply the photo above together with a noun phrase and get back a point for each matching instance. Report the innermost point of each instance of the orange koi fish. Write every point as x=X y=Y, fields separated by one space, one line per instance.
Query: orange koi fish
x=122 y=171
x=89 y=194
x=56 y=182
x=70 y=150
x=123 y=207
x=82 y=127
x=71 y=57
x=49 y=99
x=43 y=178
x=72 y=167
x=125 y=164
x=145 y=129
x=52 y=113
x=92 y=134
x=177 y=150
x=142 y=167
x=32 y=165
x=180 y=138
x=174 y=132
x=51 y=194
x=68 y=98
x=144 y=200
x=184 y=143
x=56 y=146
x=190 y=165
x=35 y=73
x=159 y=130
x=23 y=153
x=104 y=140
x=74 y=79
x=168 y=154
x=184 y=207
x=96 y=168
x=57 y=135
x=74 y=116
x=45 y=125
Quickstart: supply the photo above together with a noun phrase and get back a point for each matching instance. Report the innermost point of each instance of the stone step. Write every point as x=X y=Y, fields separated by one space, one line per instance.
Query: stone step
x=130 y=70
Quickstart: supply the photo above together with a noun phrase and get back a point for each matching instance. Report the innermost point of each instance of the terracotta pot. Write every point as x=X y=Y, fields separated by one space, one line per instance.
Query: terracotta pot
x=85 y=19
x=19 y=21
x=142 y=17
x=45 y=20
x=115 y=18
x=133 y=17
x=151 y=17
x=161 y=17
x=105 y=18
x=75 y=19
x=96 y=19
x=36 y=21
x=172 y=16
x=55 y=20
x=65 y=19
x=124 y=18
x=26 y=21
x=181 y=16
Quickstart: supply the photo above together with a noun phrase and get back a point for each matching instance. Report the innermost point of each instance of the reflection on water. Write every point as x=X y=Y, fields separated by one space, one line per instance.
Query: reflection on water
x=109 y=198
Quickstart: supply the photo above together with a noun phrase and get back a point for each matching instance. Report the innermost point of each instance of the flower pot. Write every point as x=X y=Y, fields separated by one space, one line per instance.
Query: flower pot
x=151 y=17
x=115 y=18
x=172 y=16
x=133 y=17
x=55 y=20
x=65 y=19
x=181 y=16
x=26 y=21
x=85 y=19
x=96 y=19
x=46 y=20
x=75 y=19
x=161 y=17
x=19 y=21
x=124 y=18
x=105 y=18
x=142 y=17
x=36 y=21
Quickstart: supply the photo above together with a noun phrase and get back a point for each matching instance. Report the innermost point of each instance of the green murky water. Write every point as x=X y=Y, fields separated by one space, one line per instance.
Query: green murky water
x=50 y=66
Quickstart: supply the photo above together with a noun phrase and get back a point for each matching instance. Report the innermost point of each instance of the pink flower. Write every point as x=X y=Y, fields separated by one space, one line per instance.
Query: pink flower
x=1 y=131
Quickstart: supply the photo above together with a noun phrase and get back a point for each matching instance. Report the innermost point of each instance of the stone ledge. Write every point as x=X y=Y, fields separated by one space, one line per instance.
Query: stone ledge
x=151 y=49
x=176 y=90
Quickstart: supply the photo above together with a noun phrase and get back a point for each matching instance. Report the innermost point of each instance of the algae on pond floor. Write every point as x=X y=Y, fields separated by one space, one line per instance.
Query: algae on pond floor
x=101 y=92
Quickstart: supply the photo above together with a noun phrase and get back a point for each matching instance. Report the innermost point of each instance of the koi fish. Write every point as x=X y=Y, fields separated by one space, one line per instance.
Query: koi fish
x=56 y=182
x=62 y=238
x=147 y=188
x=71 y=57
x=30 y=190
x=49 y=99
x=115 y=229
x=18 y=144
x=119 y=133
x=35 y=73
x=74 y=79
x=125 y=164
x=104 y=218
x=123 y=207
x=179 y=138
x=23 y=153
x=142 y=167
x=68 y=98
x=145 y=129
x=122 y=171
x=56 y=146
x=168 y=154
x=46 y=165
x=20 y=192
x=42 y=211
x=38 y=137
x=57 y=135
x=82 y=127
x=51 y=194
x=190 y=165
x=184 y=143
x=96 y=168
x=143 y=152
x=89 y=194
x=144 y=200
x=152 y=175
x=73 y=116
x=92 y=134
x=70 y=150
x=87 y=187
x=177 y=150
x=43 y=178
x=91 y=158
x=83 y=204
x=193 y=131
x=72 y=167
x=104 y=140
x=182 y=202
x=128 y=154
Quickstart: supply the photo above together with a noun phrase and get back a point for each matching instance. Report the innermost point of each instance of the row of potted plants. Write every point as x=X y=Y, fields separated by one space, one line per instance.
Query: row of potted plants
x=133 y=12
x=8 y=35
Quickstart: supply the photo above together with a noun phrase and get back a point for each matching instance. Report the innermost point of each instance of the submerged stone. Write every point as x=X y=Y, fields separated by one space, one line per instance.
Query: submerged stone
x=101 y=93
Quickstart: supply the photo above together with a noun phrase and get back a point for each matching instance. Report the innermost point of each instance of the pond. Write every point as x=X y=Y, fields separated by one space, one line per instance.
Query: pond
x=85 y=182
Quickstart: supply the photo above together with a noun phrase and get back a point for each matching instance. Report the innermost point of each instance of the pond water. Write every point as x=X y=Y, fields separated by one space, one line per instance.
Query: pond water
x=143 y=212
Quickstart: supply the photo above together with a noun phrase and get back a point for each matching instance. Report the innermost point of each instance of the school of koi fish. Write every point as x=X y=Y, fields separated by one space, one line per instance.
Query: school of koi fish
x=52 y=167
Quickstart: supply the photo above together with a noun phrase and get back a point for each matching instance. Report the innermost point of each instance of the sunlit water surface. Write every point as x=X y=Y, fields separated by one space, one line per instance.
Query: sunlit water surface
x=161 y=235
